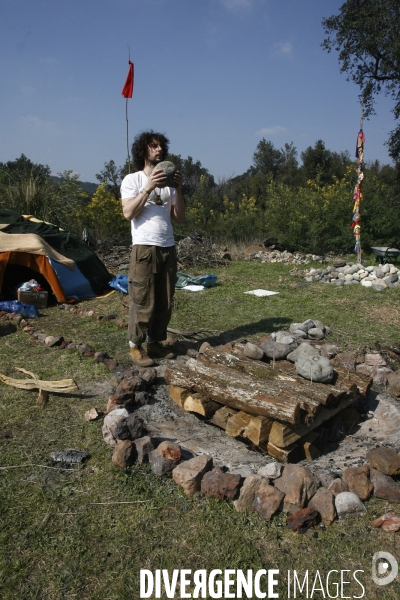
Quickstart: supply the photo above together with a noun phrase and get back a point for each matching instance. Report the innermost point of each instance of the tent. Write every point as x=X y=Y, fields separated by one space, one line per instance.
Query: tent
x=57 y=259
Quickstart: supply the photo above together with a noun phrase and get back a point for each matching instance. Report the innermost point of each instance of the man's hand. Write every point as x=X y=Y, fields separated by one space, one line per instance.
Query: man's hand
x=156 y=179
x=178 y=178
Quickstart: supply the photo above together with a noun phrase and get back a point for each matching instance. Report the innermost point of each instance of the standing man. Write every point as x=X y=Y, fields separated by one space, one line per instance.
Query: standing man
x=149 y=205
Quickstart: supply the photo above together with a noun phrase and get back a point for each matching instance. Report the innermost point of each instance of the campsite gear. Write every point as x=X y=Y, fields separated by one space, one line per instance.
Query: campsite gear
x=69 y=267
x=19 y=308
x=157 y=350
x=184 y=279
x=140 y=357
x=383 y=253
x=39 y=299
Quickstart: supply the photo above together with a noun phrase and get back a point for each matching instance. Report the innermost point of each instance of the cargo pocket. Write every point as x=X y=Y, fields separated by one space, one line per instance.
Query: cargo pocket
x=139 y=291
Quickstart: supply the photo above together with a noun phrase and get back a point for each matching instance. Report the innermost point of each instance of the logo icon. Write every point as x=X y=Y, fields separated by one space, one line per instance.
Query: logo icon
x=384 y=568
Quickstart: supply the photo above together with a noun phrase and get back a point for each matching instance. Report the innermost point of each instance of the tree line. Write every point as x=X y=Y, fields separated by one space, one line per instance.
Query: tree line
x=304 y=206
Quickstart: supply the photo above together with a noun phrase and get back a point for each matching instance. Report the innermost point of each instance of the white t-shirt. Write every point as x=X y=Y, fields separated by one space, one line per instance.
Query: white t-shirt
x=153 y=226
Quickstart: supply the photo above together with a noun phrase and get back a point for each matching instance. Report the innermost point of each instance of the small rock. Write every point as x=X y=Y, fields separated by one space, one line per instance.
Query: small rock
x=394 y=384
x=276 y=350
x=247 y=493
x=91 y=414
x=169 y=450
x=338 y=486
x=323 y=502
x=253 y=351
x=110 y=423
x=190 y=473
x=124 y=454
x=129 y=428
x=374 y=360
x=271 y=470
x=160 y=465
x=315 y=333
x=357 y=478
x=302 y=519
x=384 y=486
x=267 y=500
x=143 y=445
x=347 y=503
x=385 y=460
x=217 y=484
x=306 y=325
x=298 y=484
x=52 y=340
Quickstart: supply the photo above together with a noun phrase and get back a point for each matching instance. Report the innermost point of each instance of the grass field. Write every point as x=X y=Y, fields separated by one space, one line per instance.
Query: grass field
x=85 y=533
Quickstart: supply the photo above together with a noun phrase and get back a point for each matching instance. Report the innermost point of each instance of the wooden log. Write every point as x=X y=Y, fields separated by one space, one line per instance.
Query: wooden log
x=344 y=376
x=201 y=405
x=312 y=395
x=237 y=390
x=284 y=455
x=282 y=435
x=63 y=386
x=178 y=394
x=257 y=431
x=222 y=415
x=237 y=423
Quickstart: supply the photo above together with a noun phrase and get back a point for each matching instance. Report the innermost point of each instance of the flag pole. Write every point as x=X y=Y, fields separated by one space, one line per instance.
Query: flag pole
x=127 y=91
x=358 y=194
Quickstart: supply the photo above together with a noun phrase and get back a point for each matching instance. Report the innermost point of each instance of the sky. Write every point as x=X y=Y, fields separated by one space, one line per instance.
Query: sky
x=215 y=76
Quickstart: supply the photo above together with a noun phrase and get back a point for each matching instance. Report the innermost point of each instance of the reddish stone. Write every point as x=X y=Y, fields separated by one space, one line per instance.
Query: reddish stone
x=302 y=520
x=217 y=484
x=110 y=364
x=169 y=450
x=190 y=473
x=337 y=486
x=247 y=492
x=324 y=503
x=124 y=454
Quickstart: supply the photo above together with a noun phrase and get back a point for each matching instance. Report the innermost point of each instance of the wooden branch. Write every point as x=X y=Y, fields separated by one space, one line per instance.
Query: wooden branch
x=63 y=386
x=237 y=390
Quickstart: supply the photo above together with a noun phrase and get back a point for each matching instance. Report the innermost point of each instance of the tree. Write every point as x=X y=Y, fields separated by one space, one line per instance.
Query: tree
x=366 y=35
x=111 y=176
x=267 y=159
x=322 y=164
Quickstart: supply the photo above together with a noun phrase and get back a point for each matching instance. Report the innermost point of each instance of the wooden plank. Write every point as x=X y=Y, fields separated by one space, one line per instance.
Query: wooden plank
x=311 y=450
x=222 y=415
x=284 y=455
x=257 y=431
x=237 y=423
x=237 y=390
x=283 y=435
x=200 y=404
x=178 y=394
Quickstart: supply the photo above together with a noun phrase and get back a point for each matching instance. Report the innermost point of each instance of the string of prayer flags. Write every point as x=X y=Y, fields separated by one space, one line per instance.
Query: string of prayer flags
x=358 y=194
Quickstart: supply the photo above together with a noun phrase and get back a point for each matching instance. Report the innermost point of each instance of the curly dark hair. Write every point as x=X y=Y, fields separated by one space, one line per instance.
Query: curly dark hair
x=139 y=146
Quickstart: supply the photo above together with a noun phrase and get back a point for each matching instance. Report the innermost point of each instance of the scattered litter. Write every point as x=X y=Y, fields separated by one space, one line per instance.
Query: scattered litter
x=192 y=288
x=261 y=293
x=31 y=286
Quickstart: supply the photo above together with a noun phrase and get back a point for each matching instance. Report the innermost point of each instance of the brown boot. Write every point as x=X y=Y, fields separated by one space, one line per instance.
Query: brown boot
x=157 y=350
x=140 y=357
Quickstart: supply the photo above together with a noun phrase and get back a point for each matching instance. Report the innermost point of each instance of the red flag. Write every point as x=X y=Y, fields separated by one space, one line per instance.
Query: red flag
x=128 y=87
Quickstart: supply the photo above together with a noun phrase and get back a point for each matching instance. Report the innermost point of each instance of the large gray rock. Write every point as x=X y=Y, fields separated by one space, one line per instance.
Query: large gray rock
x=303 y=350
x=276 y=350
x=169 y=169
x=247 y=493
x=317 y=368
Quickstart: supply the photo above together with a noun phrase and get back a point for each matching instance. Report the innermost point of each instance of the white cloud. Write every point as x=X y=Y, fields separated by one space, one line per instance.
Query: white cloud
x=283 y=49
x=271 y=130
x=237 y=4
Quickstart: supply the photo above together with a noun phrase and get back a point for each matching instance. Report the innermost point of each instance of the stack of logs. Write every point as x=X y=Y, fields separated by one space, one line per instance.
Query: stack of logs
x=266 y=403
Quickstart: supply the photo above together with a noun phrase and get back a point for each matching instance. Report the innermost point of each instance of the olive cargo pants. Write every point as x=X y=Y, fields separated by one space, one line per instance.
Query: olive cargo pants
x=152 y=278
